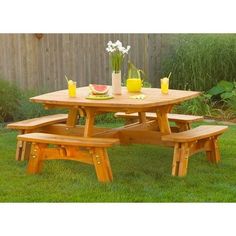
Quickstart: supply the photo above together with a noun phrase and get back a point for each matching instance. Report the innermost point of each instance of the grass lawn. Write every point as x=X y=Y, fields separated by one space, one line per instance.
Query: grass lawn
x=142 y=173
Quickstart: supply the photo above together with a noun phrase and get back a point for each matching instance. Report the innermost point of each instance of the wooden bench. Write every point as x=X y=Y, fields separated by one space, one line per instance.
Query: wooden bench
x=33 y=125
x=87 y=150
x=187 y=143
x=183 y=122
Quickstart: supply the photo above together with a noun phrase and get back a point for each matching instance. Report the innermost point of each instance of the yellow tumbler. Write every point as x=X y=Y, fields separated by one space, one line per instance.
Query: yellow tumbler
x=72 y=88
x=165 y=85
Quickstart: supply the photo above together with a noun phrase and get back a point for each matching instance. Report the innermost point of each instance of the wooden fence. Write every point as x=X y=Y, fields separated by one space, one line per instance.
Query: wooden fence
x=41 y=63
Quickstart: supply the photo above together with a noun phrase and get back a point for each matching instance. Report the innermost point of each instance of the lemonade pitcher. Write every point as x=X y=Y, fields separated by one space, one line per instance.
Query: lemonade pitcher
x=134 y=81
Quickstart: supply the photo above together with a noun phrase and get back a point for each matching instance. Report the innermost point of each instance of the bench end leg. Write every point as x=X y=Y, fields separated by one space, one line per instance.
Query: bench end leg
x=180 y=159
x=175 y=162
x=102 y=165
x=213 y=155
x=34 y=164
x=19 y=150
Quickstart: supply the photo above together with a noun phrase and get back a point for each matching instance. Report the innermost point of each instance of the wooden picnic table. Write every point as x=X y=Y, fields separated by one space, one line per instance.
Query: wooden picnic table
x=88 y=143
x=142 y=132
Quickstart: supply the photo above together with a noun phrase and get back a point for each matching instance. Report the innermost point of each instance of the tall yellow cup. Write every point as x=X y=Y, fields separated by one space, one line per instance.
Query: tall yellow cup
x=72 y=88
x=165 y=85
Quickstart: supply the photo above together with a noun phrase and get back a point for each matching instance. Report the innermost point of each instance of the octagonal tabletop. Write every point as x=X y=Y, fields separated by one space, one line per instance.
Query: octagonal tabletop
x=153 y=98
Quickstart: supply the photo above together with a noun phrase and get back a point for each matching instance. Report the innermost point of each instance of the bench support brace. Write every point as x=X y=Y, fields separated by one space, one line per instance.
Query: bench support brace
x=94 y=156
x=182 y=152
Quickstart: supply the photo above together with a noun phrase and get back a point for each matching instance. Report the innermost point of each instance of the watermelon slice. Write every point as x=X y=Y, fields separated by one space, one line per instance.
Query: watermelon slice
x=98 y=89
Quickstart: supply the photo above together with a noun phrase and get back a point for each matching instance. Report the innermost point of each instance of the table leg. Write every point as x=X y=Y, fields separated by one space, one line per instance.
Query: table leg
x=162 y=118
x=142 y=117
x=89 y=123
x=72 y=117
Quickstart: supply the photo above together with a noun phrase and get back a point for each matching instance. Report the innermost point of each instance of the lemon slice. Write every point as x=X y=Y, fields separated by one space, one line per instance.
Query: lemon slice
x=141 y=97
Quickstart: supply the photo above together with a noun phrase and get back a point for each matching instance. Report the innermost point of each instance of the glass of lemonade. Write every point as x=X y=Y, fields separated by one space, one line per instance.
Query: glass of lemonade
x=72 y=88
x=165 y=85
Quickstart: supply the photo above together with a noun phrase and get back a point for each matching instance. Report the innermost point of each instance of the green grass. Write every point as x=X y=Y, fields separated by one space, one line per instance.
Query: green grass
x=142 y=173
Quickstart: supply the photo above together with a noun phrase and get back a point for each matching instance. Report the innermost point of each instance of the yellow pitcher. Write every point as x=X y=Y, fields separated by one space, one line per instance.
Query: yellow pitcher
x=134 y=82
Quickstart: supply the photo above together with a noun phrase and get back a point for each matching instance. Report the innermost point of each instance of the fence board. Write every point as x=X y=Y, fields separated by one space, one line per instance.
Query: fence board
x=41 y=64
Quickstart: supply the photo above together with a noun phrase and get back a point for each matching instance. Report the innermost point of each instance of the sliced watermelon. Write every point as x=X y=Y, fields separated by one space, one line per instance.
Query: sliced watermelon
x=98 y=88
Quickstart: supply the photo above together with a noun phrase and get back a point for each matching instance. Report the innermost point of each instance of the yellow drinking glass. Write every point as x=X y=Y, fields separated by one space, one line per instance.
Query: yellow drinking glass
x=134 y=84
x=165 y=85
x=72 y=88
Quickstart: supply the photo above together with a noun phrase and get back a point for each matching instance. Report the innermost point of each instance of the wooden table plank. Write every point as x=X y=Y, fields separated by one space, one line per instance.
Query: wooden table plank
x=153 y=98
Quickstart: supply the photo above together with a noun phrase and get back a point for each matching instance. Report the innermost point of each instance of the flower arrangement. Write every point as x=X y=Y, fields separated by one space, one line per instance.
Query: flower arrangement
x=117 y=53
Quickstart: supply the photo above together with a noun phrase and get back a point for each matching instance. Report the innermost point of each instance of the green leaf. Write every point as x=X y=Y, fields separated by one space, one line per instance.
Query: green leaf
x=226 y=95
x=226 y=85
x=207 y=96
x=216 y=90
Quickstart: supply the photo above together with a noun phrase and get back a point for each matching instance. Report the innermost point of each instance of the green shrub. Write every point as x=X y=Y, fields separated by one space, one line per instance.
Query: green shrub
x=231 y=103
x=224 y=90
x=15 y=104
x=29 y=109
x=206 y=106
x=106 y=118
x=223 y=94
x=196 y=106
x=200 y=61
x=9 y=101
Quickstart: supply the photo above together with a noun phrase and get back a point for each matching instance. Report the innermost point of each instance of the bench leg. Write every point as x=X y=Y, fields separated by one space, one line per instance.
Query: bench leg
x=175 y=163
x=23 y=150
x=19 y=146
x=213 y=155
x=102 y=165
x=183 y=126
x=35 y=164
x=26 y=148
x=180 y=159
x=183 y=163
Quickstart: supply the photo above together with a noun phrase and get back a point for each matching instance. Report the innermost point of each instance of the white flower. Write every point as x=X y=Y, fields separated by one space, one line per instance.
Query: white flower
x=118 y=43
x=117 y=47
x=126 y=50
x=110 y=49
x=109 y=43
x=117 y=53
x=120 y=48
